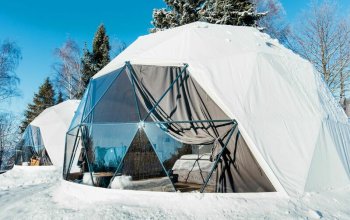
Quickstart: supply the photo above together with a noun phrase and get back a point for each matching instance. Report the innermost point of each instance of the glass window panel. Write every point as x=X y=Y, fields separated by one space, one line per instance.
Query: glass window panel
x=164 y=144
x=106 y=147
x=144 y=111
x=37 y=141
x=187 y=164
x=71 y=139
x=79 y=112
x=97 y=90
x=118 y=104
x=76 y=160
x=19 y=152
x=142 y=166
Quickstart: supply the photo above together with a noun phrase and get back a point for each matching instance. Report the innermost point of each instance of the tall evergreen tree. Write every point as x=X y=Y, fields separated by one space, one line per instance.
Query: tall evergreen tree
x=101 y=48
x=229 y=12
x=179 y=12
x=94 y=61
x=43 y=99
x=59 y=98
x=88 y=67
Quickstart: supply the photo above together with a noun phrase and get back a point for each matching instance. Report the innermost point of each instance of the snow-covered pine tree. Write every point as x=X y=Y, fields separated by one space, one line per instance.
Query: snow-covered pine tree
x=229 y=12
x=45 y=98
x=179 y=12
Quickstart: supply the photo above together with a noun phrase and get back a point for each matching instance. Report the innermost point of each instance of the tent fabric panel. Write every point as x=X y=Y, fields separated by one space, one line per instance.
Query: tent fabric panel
x=281 y=129
x=339 y=134
x=327 y=169
x=78 y=114
x=240 y=171
x=188 y=101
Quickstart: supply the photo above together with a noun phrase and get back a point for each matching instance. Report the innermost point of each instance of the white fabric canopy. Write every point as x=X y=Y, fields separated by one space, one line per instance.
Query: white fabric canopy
x=294 y=127
x=53 y=123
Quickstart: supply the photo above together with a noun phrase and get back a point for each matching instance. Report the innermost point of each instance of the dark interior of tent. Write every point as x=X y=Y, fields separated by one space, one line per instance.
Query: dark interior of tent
x=154 y=128
x=30 y=150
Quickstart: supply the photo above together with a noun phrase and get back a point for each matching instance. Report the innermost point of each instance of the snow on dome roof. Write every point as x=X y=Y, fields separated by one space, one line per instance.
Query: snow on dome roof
x=284 y=109
x=196 y=42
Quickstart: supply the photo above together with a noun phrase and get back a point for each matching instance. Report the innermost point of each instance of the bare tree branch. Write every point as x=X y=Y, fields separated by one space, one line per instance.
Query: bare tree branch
x=10 y=55
x=8 y=138
x=67 y=70
x=324 y=39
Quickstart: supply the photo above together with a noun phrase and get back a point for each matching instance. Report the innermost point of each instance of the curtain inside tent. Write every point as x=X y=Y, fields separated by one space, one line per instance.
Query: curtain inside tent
x=237 y=171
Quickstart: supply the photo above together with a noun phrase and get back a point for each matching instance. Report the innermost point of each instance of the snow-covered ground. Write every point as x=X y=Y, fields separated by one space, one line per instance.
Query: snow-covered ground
x=39 y=193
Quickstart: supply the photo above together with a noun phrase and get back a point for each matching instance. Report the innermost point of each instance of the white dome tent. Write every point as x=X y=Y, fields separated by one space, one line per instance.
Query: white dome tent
x=296 y=134
x=45 y=135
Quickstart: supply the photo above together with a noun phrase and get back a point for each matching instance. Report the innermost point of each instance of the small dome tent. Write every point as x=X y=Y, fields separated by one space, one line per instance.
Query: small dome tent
x=262 y=114
x=43 y=141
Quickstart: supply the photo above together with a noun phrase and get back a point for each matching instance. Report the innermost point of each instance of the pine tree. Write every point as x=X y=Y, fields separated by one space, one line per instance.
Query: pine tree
x=88 y=67
x=228 y=12
x=231 y=12
x=95 y=61
x=43 y=99
x=101 y=48
x=179 y=12
x=59 y=98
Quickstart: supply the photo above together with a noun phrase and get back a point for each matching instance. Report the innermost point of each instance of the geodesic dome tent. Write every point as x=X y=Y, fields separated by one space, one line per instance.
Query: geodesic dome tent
x=31 y=146
x=43 y=141
x=262 y=114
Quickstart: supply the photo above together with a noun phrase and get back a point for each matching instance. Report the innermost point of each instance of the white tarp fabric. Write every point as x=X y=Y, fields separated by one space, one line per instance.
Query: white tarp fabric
x=54 y=123
x=291 y=122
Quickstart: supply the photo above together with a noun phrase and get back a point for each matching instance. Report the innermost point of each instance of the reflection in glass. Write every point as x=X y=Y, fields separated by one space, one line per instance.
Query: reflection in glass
x=31 y=150
x=142 y=167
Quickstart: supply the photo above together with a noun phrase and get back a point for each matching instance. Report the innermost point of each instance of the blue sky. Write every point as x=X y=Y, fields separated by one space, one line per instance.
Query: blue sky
x=40 y=26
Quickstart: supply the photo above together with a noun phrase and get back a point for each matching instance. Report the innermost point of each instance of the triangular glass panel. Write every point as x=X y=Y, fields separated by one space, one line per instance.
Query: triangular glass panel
x=97 y=89
x=106 y=145
x=118 y=104
x=143 y=111
x=71 y=141
x=141 y=168
x=187 y=164
x=105 y=148
x=79 y=112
